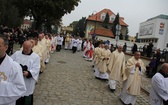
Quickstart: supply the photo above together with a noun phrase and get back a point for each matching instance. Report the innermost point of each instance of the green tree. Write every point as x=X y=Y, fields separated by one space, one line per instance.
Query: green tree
x=9 y=15
x=116 y=21
x=79 y=28
x=45 y=11
x=106 y=21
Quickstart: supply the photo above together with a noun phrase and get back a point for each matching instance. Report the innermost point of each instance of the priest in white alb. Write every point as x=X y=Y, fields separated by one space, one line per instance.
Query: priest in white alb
x=116 y=67
x=48 y=48
x=102 y=65
x=159 y=87
x=59 y=42
x=90 y=51
x=97 y=59
x=85 y=44
x=42 y=42
x=30 y=63
x=135 y=68
x=12 y=84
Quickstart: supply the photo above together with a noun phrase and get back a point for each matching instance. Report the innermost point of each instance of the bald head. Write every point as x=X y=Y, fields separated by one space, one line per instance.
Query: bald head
x=27 y=43
x=120 y=48
x=27 y=47
x=164 y=68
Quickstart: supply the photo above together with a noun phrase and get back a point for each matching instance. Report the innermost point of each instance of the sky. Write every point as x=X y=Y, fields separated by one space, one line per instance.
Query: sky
x=133 y=11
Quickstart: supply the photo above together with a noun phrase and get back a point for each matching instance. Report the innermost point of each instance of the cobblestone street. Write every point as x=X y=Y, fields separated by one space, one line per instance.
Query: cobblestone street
x=69 y=80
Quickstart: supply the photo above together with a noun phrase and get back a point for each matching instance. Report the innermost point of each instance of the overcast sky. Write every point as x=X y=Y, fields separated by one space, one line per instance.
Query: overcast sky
x=133 y=11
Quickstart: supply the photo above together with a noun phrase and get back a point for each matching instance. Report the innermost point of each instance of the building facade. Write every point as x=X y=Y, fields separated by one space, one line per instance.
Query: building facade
x=26 y=24
x=155 y=30
x=94 y=24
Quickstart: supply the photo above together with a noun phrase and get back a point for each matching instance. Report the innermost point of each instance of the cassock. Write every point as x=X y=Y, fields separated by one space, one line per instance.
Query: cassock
x=59 y=42
x=97 y=59
x=37 y=49
x=53 y=44
x=79 y=45
x=159 y=89
x=48 y=45
x=85 y=48
x=95 y=55
x=12 y=84
x=89 y=52
x=74 y=44
x=43 y=51
x=67 y=39
x=132 y=81
x=44 y=48
x=70 y=43
x=102 y=65
x=32 y=61
x=116 y=67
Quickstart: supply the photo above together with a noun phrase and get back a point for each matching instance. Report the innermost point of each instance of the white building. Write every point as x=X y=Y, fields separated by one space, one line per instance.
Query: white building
x=155 y=30
x=26 y=24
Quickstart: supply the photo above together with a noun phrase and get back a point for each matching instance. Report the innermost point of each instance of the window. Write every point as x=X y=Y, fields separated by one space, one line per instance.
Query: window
x=112 y=17
x=103 y=15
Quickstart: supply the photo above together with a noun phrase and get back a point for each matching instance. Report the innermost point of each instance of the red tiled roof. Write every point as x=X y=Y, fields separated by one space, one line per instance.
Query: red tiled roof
x=98 y=14
x=102 y=32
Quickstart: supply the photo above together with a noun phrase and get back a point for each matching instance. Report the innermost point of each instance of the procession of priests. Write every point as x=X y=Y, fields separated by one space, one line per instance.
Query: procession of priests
x=114 y=68
x=109 y=66
x=18 y=79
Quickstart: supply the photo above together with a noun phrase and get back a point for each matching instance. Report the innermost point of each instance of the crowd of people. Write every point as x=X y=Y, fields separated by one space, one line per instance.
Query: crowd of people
x=146 y=50
x=113 y=67
x=18 y=79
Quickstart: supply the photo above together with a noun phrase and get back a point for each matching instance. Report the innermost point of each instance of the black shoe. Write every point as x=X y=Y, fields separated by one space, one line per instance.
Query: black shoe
x=113 y=90
x=93 y=66
x=97 y=77
x=104 y=80
x=41 y=72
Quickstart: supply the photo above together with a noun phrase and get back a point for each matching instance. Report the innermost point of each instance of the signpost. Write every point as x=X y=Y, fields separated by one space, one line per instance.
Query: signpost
x=118 y=28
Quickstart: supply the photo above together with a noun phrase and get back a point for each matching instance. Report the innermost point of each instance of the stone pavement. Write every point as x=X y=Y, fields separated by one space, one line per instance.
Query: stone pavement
x=69 y=80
